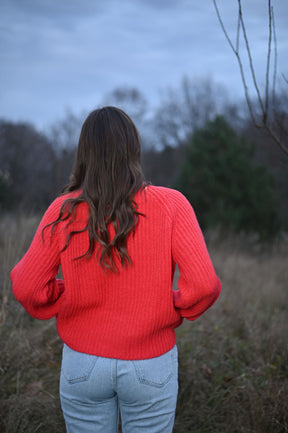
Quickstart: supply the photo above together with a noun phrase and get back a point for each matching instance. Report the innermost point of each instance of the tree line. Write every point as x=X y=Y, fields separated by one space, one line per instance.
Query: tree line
x=196 y=140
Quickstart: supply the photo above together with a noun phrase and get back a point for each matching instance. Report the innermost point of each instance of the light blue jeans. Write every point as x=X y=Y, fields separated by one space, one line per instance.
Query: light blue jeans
x=93 y=390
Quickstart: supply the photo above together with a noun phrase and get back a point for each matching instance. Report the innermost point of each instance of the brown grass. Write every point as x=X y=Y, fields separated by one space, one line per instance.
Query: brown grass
x=233 y=360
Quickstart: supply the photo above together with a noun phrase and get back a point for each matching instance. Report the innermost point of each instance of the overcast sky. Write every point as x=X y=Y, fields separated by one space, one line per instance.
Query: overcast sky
x=59 y=54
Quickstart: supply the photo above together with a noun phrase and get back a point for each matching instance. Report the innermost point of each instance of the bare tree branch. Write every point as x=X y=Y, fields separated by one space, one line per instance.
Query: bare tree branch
x=238 y=33
x=265 y=114
x=263 y=107
x=223 y=27
x=236 y=52
x=275 y=66
x=250 y=56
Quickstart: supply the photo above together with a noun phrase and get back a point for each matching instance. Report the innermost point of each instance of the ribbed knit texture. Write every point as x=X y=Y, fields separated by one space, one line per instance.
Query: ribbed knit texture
x=131 y=314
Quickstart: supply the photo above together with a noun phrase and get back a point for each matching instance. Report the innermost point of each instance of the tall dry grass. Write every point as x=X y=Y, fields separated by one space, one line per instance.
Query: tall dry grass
x=234 y=371
x=233 y=360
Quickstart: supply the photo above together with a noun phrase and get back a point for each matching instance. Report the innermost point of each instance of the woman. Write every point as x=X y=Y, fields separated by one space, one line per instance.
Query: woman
x=117 y=241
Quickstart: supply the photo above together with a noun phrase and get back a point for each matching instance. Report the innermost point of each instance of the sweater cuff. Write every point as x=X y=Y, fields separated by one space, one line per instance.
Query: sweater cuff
x=197 y=309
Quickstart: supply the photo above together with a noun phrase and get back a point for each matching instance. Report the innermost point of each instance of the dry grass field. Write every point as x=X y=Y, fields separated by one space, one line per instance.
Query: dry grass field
x=233 y=360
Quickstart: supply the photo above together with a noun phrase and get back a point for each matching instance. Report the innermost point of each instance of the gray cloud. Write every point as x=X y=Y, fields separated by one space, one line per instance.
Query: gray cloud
x=54 y=8
x=56 y=54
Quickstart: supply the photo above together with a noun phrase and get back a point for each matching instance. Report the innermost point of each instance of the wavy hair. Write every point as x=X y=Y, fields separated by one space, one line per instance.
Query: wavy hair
x=107 y=173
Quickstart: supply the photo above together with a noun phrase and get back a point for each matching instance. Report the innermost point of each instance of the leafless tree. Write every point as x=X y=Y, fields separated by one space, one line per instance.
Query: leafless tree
x=129 y=99
x=27 y=161
x=264 y=112
x=135 y=104
x=187 y=107
x=64 y=133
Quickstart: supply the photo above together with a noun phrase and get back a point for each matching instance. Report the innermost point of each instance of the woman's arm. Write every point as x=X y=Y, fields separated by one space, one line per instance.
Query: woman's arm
x=198 y=284
x=34 y=282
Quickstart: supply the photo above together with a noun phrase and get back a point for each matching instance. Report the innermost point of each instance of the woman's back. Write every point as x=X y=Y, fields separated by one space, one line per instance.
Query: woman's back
x=128 y=314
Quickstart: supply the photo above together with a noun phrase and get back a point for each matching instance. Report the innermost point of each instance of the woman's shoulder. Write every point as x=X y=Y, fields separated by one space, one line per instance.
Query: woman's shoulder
x=58 y=202
x=171 y=198
x=165 y=193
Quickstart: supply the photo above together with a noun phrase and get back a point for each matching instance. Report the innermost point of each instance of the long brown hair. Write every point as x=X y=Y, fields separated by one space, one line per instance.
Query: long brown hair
x=108 y=173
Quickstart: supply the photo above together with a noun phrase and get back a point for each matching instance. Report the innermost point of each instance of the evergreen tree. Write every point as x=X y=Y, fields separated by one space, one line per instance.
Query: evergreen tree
x=224 y=184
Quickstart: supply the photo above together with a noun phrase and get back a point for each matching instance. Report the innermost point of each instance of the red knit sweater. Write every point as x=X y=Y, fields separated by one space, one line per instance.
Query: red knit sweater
x=130 y=314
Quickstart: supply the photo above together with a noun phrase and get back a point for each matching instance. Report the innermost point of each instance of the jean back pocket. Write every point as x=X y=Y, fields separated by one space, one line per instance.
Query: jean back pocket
x=157 y=371
x=76 y=366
